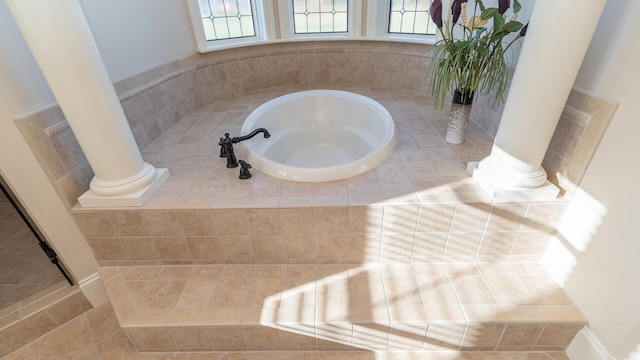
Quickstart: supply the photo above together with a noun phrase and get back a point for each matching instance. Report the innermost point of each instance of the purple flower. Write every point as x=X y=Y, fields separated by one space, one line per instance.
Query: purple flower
x=523 y=31
x=456 y=9
x=503 y=5
x=436 y=12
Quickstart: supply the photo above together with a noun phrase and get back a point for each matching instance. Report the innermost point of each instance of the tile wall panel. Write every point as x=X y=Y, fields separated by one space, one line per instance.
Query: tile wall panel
x=350 y=234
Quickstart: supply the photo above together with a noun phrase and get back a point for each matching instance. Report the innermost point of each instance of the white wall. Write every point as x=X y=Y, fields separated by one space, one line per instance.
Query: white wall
x=137 y=35
x=605 y=282
x=132 y=36
x=21 y=83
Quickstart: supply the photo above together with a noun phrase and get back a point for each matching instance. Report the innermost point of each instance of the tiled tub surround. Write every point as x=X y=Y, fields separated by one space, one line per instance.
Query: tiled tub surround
x=408 y=256
x=156 y=100
x=579 y=131
x=581 y=126
x=419 y=205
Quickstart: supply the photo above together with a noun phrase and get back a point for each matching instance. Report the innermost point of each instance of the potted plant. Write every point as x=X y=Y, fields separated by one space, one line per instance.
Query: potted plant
x=471 y=56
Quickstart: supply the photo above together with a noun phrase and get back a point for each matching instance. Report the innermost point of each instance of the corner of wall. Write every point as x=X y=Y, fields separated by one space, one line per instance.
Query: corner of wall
x=93 y=289
x=585 y=346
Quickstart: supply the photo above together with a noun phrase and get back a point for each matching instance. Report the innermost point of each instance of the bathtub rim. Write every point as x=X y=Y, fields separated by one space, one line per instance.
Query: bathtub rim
x=332 y=173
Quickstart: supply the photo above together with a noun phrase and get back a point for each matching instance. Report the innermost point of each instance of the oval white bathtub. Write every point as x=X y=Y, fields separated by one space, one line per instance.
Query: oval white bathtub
x=319 y=135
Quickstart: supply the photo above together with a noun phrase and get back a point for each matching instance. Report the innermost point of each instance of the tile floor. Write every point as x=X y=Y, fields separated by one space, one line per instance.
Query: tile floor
x=95 y=335
x=24 y=268
x=39 y=315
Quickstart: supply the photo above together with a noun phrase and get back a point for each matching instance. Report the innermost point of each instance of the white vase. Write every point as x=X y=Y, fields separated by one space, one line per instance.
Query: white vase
x=459 y=117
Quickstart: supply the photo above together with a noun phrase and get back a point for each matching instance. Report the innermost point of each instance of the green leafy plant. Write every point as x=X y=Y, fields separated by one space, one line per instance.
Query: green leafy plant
x=471 y=55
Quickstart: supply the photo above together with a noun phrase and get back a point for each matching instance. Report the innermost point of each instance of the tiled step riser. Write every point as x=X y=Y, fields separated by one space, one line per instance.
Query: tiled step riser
x=472 y=307
x=382 y=337
x=339 y=234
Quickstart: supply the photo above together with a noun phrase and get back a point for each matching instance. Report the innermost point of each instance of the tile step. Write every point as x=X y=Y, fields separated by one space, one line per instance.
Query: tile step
x=382 y=306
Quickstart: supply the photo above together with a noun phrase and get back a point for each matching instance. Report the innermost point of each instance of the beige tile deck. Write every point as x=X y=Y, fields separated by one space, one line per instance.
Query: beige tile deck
x=423 y=169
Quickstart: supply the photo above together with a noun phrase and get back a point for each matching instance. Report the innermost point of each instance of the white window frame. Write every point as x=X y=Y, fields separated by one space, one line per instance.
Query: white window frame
x=287 y=31
x=378 y=24
x=273 y=21
x=262 y=29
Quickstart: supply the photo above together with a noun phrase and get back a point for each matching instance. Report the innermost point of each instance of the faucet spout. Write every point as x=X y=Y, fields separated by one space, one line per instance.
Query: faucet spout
x=255 y=132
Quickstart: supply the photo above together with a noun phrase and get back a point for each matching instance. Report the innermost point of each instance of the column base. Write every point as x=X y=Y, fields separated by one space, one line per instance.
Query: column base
x=137 y=198
x=545 y=192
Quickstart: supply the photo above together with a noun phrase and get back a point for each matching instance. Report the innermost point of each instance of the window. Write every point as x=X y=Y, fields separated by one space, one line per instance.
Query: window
x=410 y=17
x=221 y=24
x=227 y=19
x=320 y=16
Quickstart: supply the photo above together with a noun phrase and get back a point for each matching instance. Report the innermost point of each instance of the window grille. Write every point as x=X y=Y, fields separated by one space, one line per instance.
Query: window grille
x=410 y=17
x=320 y=16
x=227 y=19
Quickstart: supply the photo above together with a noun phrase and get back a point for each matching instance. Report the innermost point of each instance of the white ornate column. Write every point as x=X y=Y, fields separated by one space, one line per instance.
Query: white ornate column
x=61 y=42
x=555 y=44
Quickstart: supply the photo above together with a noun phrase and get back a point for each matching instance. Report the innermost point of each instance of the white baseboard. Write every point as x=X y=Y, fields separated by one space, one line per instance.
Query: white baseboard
x=585 y=346
x=93 y=289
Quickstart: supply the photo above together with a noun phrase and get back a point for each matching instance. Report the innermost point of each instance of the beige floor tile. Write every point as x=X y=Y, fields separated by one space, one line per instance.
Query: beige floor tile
x=231 y=293
x=261 y=338
x=265 y=292
x=436 y=290
x=444 y=337
x=408 y=337
x=163 y=294
x=71 y=339
x=519 y=337
x=543 y=290
x=333 y=292
x=482 y=337
x=21 y=259
x=503 y=313
x=299 y=292
x=366 y=290
x=196 y=294
x=472 y=290
x=205 y=317
x=426 y=269
x=564 y=314
x=226 y=338
x=507 y=290
x=402 y=291
x=426 y=314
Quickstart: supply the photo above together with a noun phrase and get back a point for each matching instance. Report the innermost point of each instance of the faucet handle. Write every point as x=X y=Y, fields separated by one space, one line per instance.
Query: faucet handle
x=226 y=146
x=223 y=149
x=244 y=170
